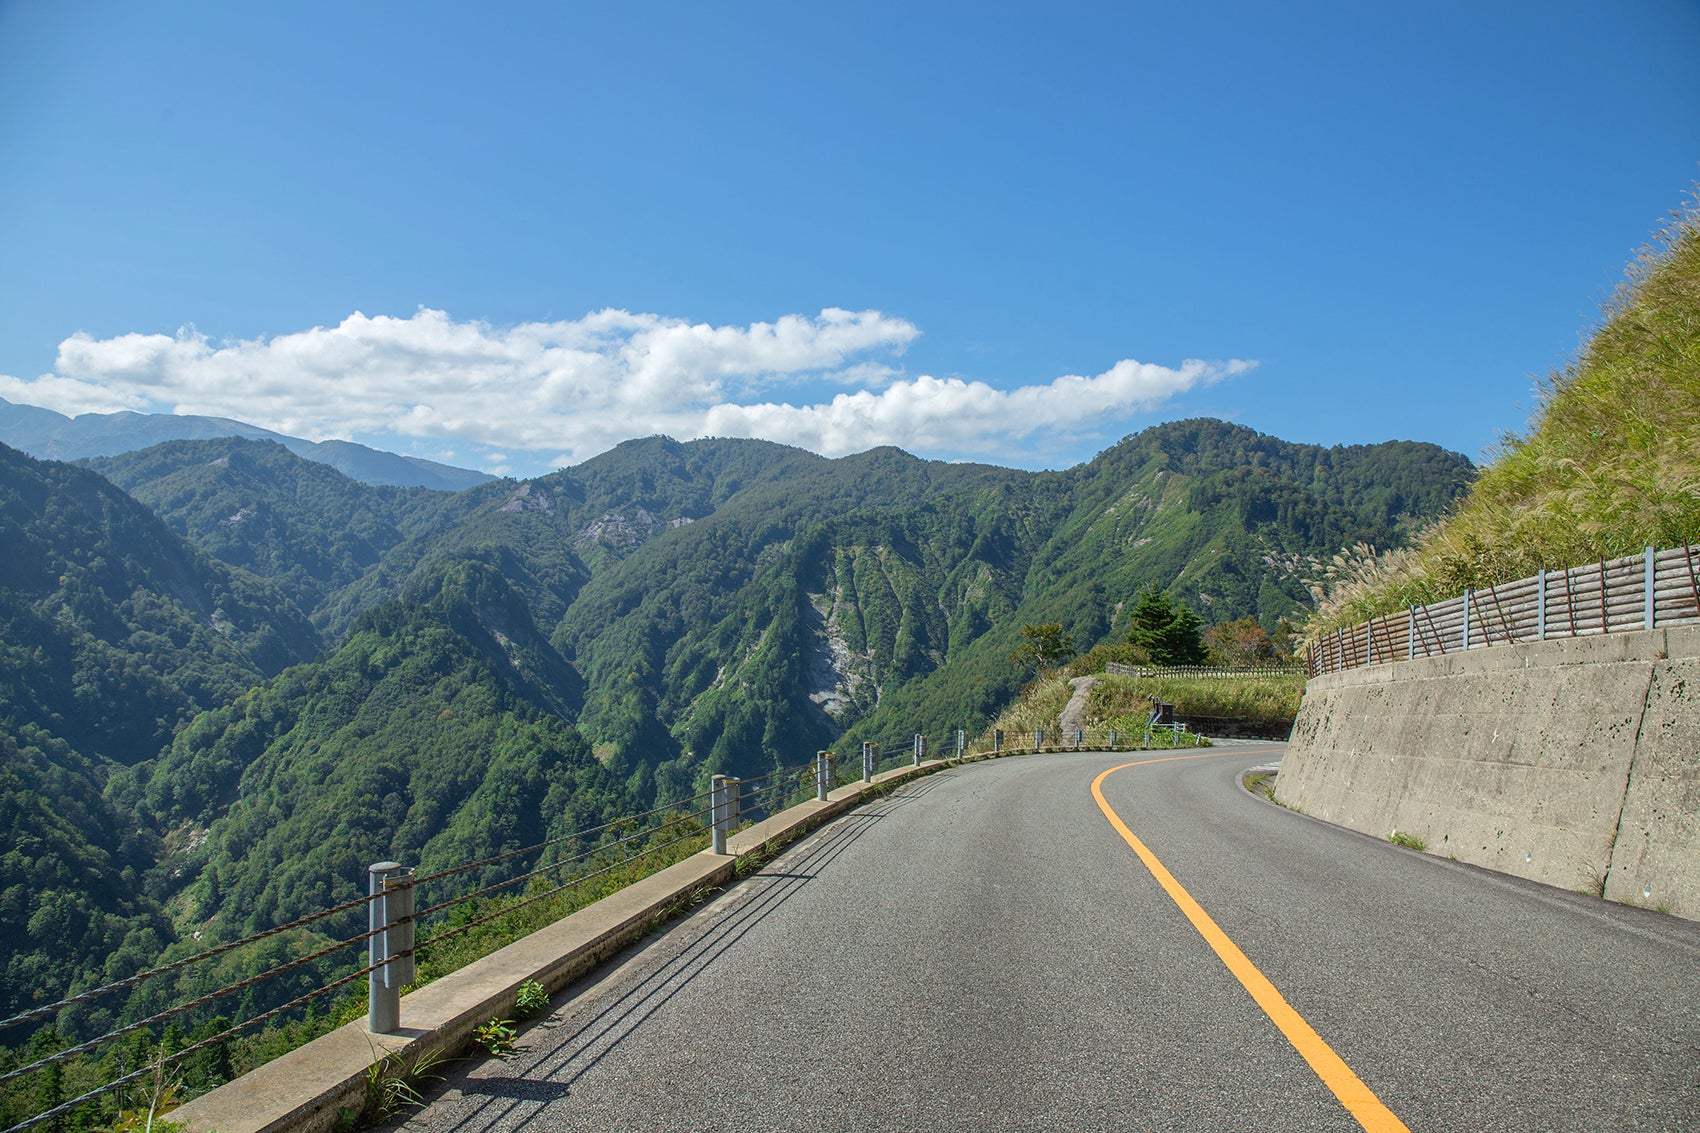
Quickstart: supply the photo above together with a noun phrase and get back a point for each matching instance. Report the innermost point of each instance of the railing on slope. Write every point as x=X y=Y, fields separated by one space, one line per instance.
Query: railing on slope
x=130 y=1055
x=126 y=1057
x=1646 y=591
x=1115 y=668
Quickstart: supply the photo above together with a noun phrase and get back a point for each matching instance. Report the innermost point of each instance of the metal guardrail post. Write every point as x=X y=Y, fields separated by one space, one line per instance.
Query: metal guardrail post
x=1541 y=604
x=997 y=740
x=734 y=801
x=1078 y=737
x=1647 y=612
x=961 y=742
x=920 y=747
x=824 y=775
x=1467 y=593
x=1112 y=739
x=719 y=814
x=390 y=915
x=867 y=762
x=1038 y=738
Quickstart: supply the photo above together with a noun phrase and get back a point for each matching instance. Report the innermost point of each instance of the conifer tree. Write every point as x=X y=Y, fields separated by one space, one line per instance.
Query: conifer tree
x=1166 y=630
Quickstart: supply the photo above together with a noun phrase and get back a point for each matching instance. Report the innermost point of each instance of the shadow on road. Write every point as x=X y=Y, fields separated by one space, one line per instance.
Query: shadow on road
x=523 y=1089
x=511 y=1102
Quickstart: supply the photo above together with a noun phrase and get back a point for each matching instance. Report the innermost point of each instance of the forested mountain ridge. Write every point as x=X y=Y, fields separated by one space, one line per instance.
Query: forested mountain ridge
x=115 y=630
x=717 y=601
x=599 y=638
x=434 y=735
x=113 y=634
x=255 y=505
x=1228 y=520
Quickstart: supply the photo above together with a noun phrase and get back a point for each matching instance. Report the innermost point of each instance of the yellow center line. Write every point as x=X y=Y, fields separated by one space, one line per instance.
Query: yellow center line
x=1360 y=1101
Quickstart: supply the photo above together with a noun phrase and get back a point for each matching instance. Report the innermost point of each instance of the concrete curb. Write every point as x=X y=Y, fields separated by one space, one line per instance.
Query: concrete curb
x=303 y=1091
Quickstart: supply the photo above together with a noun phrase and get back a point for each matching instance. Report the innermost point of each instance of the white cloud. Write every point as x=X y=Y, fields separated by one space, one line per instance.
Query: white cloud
x=963 y=416
x=568 y=390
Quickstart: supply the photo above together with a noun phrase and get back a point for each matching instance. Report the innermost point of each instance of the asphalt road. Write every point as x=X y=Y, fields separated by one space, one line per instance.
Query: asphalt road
x=985 y=951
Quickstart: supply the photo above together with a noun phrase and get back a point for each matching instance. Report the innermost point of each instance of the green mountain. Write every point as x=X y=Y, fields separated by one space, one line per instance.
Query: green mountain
x=165 y=774
x=521 y=659
x=434 y=735
x=253 y=504
x=114 y=631
x=72 y=910
x=916 y=612
x=729 y=605
x=113 y=634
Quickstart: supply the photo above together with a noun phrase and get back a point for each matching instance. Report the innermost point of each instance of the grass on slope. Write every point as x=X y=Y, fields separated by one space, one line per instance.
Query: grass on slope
x=1124 y=703
x=1244 y=698
x=1610 y=465
x=1039 y=706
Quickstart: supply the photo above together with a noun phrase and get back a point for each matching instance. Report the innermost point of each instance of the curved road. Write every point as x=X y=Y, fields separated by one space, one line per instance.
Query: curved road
x=984 y=950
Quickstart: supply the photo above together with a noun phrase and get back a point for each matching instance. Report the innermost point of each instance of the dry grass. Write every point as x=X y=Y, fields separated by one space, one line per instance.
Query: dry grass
x=1123 y=703
x=1611 y=463
x=1246 y=698
x=1039 y=706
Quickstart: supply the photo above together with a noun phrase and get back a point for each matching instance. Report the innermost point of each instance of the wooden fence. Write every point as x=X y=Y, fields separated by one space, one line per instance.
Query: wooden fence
x=1645 y=591
x=1116 y=669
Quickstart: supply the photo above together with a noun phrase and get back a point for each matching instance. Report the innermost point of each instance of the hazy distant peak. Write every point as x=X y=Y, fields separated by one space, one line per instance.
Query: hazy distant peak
x=53 y=436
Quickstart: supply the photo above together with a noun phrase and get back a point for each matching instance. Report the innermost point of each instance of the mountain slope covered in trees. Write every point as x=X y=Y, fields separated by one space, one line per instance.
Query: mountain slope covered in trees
x=253 y=504
x=510 y=661
x=434 y=735
x=725 y=604
x=114 y=633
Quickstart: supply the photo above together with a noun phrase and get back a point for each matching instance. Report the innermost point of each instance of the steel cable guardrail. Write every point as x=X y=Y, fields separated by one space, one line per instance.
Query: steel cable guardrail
x=1657 y=588
x=772 y=791
x=600 y=851
x=578 y=834
x=1156 y=732
x=668 y=824
x=175 y=966
x=65 y=1108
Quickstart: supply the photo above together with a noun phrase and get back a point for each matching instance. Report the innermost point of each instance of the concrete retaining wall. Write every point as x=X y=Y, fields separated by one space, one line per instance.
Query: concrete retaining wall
x=1573 y=762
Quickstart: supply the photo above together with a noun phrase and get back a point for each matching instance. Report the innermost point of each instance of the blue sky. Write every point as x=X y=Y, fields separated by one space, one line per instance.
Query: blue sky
x=508 y=236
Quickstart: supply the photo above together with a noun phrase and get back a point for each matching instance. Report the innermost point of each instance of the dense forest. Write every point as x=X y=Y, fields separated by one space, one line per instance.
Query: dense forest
x=231 y=677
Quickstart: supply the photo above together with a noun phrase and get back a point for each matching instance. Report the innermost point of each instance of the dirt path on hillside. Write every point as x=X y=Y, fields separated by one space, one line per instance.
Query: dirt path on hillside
x=1073 y=716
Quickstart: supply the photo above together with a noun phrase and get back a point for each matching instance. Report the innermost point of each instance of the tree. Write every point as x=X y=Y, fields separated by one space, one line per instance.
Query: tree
x=1151 y=615
x=1043 y=646
x=1166 y=630
x=1239 y=643
x=1183 y=643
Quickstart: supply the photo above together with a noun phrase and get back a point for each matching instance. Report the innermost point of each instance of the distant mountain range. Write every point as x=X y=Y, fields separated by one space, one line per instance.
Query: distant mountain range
x=229 y=675
x=53 y=436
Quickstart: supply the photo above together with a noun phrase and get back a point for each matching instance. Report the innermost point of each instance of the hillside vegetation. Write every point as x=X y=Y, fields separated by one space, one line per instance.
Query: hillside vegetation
x=114 y=634
x=732 y=605
x=1610 y=464
x=214 y=713
x=249 y=503
x=1124 y=703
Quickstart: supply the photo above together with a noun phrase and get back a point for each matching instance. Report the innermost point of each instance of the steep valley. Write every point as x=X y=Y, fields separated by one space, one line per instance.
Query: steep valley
x=231 y=676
